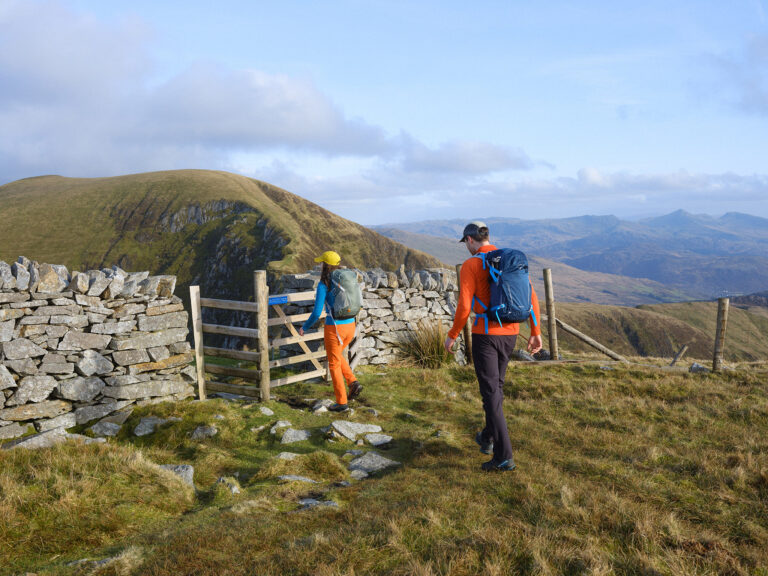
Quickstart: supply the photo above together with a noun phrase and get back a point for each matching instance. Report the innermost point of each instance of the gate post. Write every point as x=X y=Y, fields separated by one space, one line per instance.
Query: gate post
x=262 y=301
x=551 y=321
x=197 y=331
x=722 y=321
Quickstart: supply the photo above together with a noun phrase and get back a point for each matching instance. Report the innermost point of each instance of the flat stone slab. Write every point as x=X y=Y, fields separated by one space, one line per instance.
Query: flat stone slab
x=370 y=463
x=49 y=438
x=47 y=409
x=290 y=436
x=351 y=430
x=294 y=478
x=378 y=439
x=184 y=471
x=65 y=421
x=266 y=411
x=146 y=389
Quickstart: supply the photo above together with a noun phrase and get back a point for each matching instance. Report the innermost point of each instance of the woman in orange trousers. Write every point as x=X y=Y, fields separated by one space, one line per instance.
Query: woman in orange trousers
x=337 y=335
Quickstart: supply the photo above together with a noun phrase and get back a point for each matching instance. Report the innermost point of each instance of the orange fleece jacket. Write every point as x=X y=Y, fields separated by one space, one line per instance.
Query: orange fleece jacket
x=475 y=282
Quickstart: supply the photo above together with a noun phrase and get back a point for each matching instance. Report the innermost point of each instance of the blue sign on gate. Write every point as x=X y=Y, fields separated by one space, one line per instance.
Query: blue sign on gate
x=278 y=300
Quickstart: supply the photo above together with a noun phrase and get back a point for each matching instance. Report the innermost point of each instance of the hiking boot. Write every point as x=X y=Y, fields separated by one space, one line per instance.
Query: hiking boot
x=500 y=466
x=354 y=390
x=338 y=407
x=485 y=447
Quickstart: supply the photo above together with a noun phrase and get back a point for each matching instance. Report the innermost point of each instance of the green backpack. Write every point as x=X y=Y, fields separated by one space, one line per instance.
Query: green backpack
x=345 y=293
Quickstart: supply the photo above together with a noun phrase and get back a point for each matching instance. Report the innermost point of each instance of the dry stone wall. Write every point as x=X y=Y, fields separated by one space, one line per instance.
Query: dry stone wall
x=394 y=303
x=83 y=347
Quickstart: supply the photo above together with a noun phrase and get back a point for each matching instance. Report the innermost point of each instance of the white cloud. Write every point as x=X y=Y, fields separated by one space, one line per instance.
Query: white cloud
x=463 y=157
x=79 y=98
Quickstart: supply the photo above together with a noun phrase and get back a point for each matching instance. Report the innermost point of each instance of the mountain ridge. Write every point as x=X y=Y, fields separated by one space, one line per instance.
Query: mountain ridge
x=699 y=254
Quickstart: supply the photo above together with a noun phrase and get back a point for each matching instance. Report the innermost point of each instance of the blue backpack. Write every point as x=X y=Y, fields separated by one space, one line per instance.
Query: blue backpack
x=510 y=288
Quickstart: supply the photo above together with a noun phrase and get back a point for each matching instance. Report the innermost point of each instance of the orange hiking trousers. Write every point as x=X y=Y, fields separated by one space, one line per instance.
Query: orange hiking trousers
x=337 y=364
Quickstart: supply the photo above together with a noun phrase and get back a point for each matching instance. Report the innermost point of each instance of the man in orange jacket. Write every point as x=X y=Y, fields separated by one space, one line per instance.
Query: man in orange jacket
x=491 y=350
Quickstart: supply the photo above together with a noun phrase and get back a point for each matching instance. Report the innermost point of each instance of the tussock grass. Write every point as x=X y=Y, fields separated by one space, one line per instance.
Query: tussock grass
x=424 y=346
x=628 y=470
x=73 y=498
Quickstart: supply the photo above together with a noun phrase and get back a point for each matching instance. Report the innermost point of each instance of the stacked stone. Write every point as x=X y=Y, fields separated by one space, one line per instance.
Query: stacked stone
x=393 y=305
x=78 y=347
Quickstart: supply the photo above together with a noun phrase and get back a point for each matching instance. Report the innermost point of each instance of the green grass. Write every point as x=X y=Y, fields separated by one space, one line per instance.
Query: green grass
x=627 y=470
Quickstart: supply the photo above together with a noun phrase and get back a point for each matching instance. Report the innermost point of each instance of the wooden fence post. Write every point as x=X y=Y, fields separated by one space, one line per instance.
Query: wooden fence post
x=554 y=354
x=197 y=330
x=722 y=321
x=467 y=330
x=679 y=355
x=262 y=315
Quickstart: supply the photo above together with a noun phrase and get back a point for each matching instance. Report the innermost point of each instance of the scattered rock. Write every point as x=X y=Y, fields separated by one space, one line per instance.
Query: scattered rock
x=697 y=368
x=266 y=411
x=184 y=471
x=359 y=474
x=307 y=503
x=279 y=424
x=321 y=406
x=203 y=432
x=101 y=429
x=290 y=436
x=230 y=484
x=371 y=462
x=148 y=425
x=294 y=478
x=378 y=439
x=287 y=455
x=351 y=430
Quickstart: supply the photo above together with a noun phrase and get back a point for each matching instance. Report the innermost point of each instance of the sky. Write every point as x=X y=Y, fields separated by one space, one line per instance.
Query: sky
x=387 y=111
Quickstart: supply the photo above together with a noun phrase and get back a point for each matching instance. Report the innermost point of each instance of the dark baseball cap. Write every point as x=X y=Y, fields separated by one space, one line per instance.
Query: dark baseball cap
x=472 y=229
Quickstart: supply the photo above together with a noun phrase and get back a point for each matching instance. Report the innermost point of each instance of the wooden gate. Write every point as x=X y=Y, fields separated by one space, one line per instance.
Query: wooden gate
x=267 y=352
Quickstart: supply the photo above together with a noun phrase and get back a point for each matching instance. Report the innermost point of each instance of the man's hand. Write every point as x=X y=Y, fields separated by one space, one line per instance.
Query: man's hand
x=449 y=344
x=301 y=331
x=534 y=344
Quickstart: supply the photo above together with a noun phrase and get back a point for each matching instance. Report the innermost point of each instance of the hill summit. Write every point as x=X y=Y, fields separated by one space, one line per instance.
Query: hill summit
x=207 y=227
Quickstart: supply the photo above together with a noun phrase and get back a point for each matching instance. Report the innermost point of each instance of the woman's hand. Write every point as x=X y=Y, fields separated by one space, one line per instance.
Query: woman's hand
x=301 y=331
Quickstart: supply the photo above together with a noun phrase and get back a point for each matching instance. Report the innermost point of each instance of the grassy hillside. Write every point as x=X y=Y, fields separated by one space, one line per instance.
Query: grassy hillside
x=660 y=330
x=182 y=222
x=627 y=470
x=570 y=284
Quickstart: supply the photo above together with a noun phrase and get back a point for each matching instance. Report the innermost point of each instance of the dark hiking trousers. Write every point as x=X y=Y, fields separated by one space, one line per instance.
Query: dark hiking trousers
x=491 y=356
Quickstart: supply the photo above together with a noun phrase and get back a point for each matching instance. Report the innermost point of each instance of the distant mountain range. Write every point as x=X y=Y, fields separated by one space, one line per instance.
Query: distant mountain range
x=697 y=255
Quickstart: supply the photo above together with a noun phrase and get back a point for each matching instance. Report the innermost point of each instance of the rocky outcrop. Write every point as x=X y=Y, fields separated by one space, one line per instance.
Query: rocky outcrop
x=76 y=347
